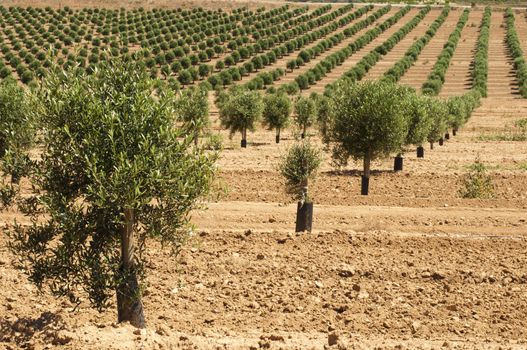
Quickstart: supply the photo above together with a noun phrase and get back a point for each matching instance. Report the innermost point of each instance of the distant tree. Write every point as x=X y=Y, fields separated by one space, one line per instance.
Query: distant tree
x=277 y=112
x=305 y=113
x=192 y=107
x=240 y=109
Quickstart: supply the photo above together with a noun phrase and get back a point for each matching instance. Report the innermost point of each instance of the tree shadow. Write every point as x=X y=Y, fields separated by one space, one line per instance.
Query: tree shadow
x=22 y=330
x=354 y=172
x=257 y=144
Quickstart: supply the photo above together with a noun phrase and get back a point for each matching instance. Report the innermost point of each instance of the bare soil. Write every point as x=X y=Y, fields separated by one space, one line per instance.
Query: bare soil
x=412 y=266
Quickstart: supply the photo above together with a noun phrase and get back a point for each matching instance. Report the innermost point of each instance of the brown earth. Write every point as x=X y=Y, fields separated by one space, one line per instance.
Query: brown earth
x=412 y=266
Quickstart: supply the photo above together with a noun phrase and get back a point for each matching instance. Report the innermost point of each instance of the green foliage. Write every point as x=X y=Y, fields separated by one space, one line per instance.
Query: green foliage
x=438 y=110
x=305 y=112
x=480 y=70
x=298 y=166
x=277 y=111
x=192 y=108
x=400 y=67
x=109 y=146
x=513 y=43
x=436 y=77
x=369 y=120
x=419 y=119
x=477 y=182
x=17 y=130
x=240 y=109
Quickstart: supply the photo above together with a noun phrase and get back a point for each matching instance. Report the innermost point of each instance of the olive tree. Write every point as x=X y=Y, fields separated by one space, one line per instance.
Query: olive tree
x=419 y=120
x=368 y=122
x=305 y=113
x=276 y=112
x=17 y=131
x=323 y=114
x=192 y=108
x=113 y=172
x=240 y=109
x=298 y=166
x=438 y=111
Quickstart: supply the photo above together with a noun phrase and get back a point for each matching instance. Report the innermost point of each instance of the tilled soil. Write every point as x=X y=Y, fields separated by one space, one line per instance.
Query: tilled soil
x=412 y=266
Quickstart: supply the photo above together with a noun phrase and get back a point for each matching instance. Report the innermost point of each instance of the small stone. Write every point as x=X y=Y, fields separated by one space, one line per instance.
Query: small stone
x=62 y=337
x=271 y=220
x=260 y=256
x=319 y=284
x=438 y=276
x=333 y=338
x=363 y=295
x=346 y=271
x=416 y=325
x=248 y=232
x=275 y=337
x=356 y=287
x=452 y=307
x=163 y=329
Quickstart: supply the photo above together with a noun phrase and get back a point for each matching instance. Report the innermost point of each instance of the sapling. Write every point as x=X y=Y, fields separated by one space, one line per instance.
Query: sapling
x=438 y=111
x=276 y=112
x=298 y=166
x=305 y=113
x=368 y=122
x=192 y=108
x=240 y=109
x=419 y=122
x=17 y=131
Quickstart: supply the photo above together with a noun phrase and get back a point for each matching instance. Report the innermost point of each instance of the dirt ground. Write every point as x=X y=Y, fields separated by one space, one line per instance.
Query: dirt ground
x=412 y=266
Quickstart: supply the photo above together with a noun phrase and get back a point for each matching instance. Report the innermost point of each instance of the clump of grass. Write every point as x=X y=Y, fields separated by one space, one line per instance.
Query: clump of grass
x=516 y=132
x=477 y=183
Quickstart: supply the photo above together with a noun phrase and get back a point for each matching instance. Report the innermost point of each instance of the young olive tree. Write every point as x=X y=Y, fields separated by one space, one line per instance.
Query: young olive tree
x=438 y=111
x=114 y=171
x=17 y=132
x=276 y=112
x=240 y=109
x=305 y=113
x=458 y=112
x=323 y=114
x=420 y=122
x=192 y=108
x=369 y=122
x=298 y=166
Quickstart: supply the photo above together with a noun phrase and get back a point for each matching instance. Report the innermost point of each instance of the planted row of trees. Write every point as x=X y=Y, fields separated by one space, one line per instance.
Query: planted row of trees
x=321 y=69
x=362 y=67
x=242 y=108
x=513 y=43
x=373 y=119
x=306 y=55
x=436 y=78
x=400 y=67
x=268 y=58
x=480 y=71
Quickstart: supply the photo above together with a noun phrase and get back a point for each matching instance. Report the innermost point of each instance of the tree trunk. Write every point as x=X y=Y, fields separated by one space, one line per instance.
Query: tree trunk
x=420 y=152
x=398 y=162
x=431 y=145
x=244 y=138
x=365 y=184
x=304 y=131
x=129 y=304
x=277 y=135
x=304 y=211
x=196 y=137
